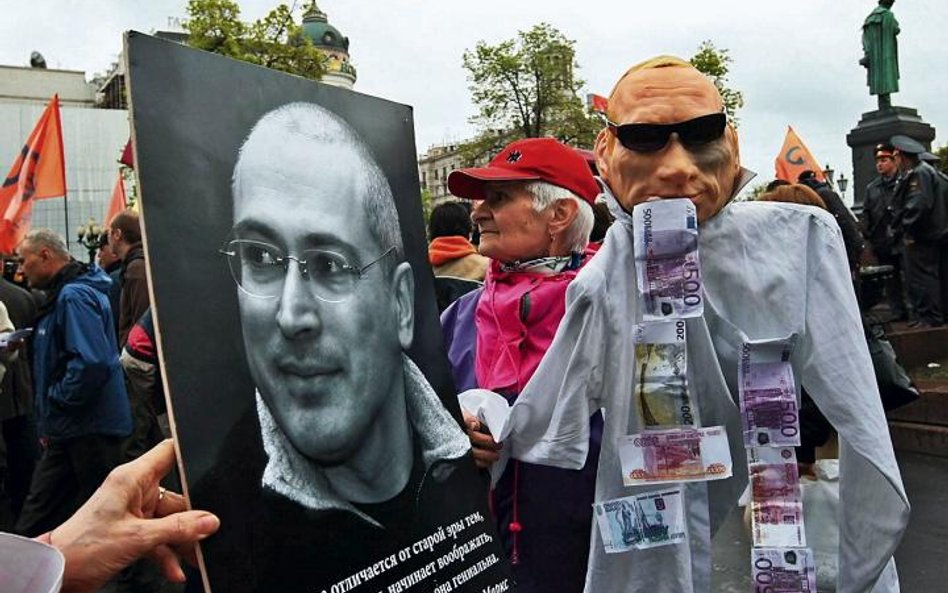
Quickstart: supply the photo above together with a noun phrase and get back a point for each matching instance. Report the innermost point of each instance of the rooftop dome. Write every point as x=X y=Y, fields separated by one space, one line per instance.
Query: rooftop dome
x=322 y=34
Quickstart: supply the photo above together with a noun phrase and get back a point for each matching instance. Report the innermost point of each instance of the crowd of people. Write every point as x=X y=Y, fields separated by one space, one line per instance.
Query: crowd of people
x=905 y=220
x=79 y=397
x=536 y=291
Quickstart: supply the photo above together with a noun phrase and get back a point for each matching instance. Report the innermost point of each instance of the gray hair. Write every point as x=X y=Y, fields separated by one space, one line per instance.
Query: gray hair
x=314 y=123
x=577 y=234
x=37 y=239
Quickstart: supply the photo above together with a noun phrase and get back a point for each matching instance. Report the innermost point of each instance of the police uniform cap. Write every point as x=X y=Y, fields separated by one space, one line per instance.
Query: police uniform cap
x=883 y=149
x=906 y=145
x=927 y=156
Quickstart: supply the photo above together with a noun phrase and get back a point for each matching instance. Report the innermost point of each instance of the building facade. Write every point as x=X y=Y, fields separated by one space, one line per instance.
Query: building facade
x=93 y=140
x=433 y=169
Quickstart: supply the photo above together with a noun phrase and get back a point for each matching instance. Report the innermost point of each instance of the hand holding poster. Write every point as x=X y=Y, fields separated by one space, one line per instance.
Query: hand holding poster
x=312 y=406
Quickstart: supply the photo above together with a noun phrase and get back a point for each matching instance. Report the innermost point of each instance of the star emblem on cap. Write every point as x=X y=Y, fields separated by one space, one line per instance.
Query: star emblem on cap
x=514 y=156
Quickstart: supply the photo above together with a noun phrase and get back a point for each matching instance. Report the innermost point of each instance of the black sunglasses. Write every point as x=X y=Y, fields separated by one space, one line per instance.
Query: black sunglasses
x=654 y=137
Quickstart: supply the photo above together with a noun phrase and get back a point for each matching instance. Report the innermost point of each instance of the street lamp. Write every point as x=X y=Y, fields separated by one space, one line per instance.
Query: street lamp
x=90 y=236
x=843 y=183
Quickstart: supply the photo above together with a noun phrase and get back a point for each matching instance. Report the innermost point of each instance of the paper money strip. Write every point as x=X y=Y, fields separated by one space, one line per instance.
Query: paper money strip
x=667 y=270
x=641 y=521
x=780 y=560
x=671 y=448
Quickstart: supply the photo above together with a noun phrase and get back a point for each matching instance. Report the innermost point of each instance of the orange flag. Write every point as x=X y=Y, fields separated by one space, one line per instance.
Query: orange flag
x=118 y=202
x=795 y=158
x=38 y=172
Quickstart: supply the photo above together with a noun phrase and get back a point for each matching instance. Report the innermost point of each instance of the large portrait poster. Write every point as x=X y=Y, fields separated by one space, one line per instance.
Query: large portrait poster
x=311 y=400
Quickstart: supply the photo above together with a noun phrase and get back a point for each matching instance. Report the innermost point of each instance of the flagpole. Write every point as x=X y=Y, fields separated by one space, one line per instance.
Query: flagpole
x=62 y=159
x=66 y=216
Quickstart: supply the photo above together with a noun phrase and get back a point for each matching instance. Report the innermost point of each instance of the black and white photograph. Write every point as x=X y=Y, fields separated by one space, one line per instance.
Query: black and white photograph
x=309 y=394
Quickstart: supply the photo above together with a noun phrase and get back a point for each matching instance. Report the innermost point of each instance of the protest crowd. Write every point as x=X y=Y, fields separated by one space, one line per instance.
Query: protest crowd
x=559 y=275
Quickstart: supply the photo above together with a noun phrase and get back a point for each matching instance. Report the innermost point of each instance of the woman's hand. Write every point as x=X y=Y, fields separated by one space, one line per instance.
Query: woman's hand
x=484 y=446
x=127 y=518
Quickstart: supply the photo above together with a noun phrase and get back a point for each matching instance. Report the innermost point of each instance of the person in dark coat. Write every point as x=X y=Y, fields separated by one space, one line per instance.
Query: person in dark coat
x=877 y=217
x=16 y=402
x=844 y=217
x=922 y=214
x=125 y=239
x=111 y=263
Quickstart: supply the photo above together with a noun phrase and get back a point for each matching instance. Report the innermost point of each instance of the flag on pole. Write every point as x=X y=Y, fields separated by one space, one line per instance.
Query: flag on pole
x=795 y=158
x=599 y=103
x=38 y=172
x=127 y=158
x=118 y=201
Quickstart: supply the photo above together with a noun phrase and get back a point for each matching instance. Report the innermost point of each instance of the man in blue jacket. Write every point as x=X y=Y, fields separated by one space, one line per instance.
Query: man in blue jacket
x=82 y=409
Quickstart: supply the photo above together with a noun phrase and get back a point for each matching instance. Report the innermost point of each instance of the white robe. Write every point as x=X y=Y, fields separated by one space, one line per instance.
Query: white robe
x=769 y=270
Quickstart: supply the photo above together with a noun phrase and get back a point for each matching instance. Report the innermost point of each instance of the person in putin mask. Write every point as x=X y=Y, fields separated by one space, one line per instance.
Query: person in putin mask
x=667 y=136
x=533 y=209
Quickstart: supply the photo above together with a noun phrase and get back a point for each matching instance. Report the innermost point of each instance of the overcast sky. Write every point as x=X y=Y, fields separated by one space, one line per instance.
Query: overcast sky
x=795 y=61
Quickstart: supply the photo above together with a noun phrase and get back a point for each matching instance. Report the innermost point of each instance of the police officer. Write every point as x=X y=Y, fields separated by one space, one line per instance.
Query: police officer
x=920 y=210
x=877 y=226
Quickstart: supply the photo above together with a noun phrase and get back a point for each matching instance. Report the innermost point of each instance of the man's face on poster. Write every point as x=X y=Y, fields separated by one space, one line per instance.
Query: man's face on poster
x=323 y=368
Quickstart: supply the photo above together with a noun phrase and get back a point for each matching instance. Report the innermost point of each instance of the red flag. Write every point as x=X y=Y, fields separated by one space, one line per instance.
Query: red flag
x=795 y=158
x=118 y=202
x=38 y=172
x=599 y=103
x=127 y=158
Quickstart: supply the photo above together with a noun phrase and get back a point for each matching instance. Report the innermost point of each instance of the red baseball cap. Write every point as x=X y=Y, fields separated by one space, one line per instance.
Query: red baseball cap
x=531 y=159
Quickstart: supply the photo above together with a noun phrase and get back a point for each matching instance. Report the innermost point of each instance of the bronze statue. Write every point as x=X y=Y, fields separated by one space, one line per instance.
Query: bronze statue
x=881 y=52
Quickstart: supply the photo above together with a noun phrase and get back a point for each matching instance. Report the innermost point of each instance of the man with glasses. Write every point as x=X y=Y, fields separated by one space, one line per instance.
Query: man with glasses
x=355 y=438
x=770 y=271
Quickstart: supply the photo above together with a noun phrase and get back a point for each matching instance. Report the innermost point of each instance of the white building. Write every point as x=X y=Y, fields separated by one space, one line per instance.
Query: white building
x=93 y=140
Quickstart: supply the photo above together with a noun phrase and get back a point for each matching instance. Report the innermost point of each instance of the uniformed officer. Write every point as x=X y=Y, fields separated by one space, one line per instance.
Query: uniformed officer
x=885 y=239
x=921 y=212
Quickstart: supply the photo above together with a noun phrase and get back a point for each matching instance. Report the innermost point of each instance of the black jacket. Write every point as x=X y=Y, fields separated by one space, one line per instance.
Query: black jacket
x=877 y=216
x=920 y=202
x=852 y=238
x=268 y=543
x=16 y=392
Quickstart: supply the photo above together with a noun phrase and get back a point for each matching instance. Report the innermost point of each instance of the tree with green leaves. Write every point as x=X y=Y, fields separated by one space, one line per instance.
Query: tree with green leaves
x=276 y=41
x=526 y=88
x=716 y=64
x=942 y=154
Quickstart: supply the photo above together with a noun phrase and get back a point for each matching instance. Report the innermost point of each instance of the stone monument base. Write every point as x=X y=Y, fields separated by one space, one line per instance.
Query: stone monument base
x=875 y=127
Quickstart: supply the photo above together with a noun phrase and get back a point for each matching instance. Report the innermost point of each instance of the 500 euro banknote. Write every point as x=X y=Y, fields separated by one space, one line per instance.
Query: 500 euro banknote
x=668 y=272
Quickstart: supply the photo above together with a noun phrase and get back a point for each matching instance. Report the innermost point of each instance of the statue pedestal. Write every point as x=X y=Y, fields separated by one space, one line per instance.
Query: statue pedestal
x=875 y=127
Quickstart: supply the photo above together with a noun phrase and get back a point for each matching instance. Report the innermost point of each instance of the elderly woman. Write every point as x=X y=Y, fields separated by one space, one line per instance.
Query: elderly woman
x=534 y=213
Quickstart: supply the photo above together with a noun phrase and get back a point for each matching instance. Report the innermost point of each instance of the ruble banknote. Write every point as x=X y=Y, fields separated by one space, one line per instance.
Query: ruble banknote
x=661 y=385
x=641 y=521
x=675 y=455
x=668 y=272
